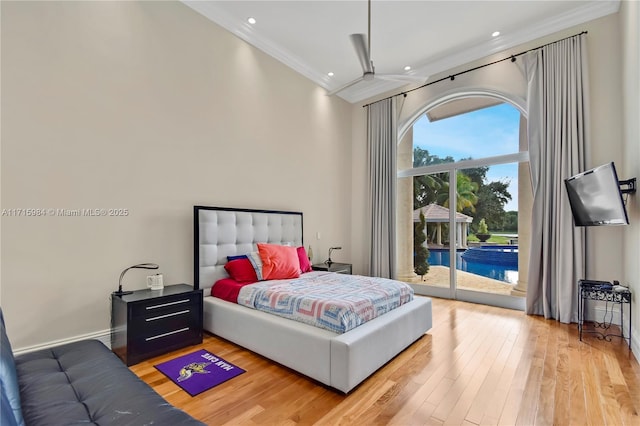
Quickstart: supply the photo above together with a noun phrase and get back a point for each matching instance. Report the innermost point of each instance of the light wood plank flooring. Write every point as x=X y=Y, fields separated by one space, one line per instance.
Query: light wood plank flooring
x=479 y=365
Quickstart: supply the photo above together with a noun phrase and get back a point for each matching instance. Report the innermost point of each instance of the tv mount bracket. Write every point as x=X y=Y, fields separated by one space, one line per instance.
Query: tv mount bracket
x=630 y=186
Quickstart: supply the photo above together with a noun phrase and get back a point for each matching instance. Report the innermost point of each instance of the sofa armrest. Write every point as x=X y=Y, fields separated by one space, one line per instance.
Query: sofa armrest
x=10 y=410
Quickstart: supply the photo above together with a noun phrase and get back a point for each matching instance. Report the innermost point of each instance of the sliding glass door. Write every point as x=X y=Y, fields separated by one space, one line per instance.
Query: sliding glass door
x=432 y=251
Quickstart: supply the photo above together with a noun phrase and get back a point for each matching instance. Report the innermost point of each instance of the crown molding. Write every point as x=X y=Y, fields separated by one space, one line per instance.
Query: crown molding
x=212 y=11
x=535 y=31
x=370 y=89
x=359 y=93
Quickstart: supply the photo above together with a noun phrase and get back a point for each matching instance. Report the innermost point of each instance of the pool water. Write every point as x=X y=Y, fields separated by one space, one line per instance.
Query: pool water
x=505 y=273
x=493 y=255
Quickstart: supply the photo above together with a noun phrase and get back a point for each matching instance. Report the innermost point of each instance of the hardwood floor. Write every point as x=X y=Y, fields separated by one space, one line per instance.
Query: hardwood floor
x=479 y=365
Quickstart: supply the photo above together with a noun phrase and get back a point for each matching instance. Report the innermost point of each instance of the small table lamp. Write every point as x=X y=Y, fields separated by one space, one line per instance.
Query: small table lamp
x=329 y=261
x=138 y=266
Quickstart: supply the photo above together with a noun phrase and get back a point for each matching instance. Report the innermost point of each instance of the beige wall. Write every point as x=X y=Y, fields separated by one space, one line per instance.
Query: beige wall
x=150 y=107
x=630 y=24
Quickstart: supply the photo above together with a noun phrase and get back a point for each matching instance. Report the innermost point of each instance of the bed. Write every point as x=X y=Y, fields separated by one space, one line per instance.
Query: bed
x=341 y=361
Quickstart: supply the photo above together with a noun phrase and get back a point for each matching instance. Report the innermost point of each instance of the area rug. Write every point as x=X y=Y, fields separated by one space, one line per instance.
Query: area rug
x=199 y=371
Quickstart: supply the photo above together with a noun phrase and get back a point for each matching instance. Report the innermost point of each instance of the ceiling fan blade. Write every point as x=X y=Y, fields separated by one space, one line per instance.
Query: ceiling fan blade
x=345 y=86
x=360 y=44
x=402 y=77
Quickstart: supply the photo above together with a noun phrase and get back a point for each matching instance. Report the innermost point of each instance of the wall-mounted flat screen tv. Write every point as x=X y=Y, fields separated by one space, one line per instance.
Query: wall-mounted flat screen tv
x=596 y=198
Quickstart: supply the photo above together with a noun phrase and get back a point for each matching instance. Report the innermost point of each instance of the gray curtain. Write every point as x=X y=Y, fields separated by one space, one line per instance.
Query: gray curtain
x=557 y=130
x=381 y=151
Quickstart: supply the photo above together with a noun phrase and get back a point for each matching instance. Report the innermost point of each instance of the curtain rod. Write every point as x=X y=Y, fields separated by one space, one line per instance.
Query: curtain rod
x=453 y=76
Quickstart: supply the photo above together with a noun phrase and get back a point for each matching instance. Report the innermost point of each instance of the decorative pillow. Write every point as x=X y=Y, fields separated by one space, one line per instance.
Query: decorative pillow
x=305 y=265
x=279 y=262
x=240 y=256
x=256 y=262
x=241 y=270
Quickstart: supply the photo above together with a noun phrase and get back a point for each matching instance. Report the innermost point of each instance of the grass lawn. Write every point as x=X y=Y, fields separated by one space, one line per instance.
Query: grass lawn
x=495 y=239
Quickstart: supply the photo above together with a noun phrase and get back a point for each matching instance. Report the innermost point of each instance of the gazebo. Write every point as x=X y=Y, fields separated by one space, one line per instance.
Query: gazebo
x=434 y=213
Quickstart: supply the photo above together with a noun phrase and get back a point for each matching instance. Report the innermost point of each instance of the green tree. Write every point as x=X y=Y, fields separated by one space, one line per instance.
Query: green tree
x=510 y=221
x=475 y=196
x=477 y=174
x=421 y=253
x=492 y=198
x=466 y=197
x=421 y=158
x=427 y=187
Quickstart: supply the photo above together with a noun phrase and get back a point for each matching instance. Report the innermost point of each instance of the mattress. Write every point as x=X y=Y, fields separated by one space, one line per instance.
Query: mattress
x=335 y=302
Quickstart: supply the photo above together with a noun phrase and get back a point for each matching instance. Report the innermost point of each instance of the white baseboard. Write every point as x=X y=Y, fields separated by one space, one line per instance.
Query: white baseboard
x=104 y=336
x=635 y=344
x=599 y=312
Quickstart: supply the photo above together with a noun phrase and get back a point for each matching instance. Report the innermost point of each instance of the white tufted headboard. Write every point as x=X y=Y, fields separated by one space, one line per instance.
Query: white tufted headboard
x=220 y=232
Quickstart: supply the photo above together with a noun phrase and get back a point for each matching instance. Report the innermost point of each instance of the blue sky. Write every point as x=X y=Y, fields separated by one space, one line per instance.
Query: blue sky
x=484 y=133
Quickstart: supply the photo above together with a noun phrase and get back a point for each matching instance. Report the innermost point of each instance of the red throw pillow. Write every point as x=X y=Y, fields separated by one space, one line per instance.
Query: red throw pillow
x=279 y=262
x=241 y=270
x=305 y=266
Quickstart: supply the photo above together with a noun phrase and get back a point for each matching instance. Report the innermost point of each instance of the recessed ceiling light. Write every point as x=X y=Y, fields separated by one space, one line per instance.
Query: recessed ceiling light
x=251 y=20
x=495 y=34
x=330 y=74
x=407 y=68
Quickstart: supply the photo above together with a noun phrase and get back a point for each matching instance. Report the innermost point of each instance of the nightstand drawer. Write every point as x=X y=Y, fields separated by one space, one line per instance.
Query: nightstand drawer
x=158 y=324
x=147 y=346
x=158 y=308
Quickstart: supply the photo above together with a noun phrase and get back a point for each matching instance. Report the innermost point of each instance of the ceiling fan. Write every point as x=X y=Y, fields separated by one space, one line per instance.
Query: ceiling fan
x=362 y=45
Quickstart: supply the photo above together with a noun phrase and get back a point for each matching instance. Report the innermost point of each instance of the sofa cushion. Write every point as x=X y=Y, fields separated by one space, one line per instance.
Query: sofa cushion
x=11 y=411
x=84 y=382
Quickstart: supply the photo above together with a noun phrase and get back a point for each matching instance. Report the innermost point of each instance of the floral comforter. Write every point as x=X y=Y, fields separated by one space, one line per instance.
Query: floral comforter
x=335 y=302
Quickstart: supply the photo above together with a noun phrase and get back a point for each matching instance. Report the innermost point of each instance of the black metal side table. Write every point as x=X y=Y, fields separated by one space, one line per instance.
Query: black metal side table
x=590 y=290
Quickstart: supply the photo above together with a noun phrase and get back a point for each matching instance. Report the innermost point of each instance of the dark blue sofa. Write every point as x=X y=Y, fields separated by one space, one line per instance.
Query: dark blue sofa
x=77 y=383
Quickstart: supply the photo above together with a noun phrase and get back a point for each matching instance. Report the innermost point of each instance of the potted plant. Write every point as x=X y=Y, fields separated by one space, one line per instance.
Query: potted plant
x=483 y=232
x=420 y=250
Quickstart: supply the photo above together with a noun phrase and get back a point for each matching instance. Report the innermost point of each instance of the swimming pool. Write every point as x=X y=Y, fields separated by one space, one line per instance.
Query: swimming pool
x=504 y=271
x=493 y=255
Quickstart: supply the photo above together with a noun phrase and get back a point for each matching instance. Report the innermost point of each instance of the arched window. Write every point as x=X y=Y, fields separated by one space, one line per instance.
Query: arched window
x=461 y=168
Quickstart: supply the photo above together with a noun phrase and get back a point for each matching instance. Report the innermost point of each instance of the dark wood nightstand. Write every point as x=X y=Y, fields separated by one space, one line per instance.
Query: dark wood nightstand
x=149 y=323
x=341 y=268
